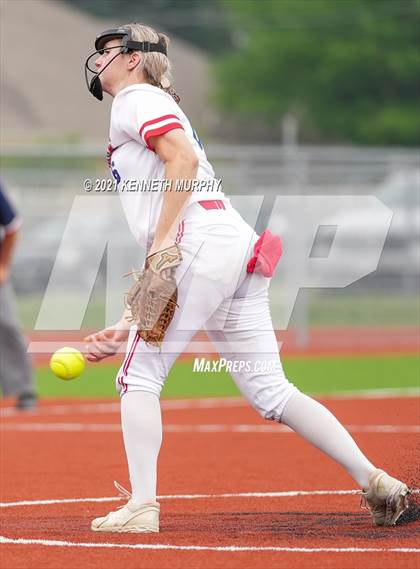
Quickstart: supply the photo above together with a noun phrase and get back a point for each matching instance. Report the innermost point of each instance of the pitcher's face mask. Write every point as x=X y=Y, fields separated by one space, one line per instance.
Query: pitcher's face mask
x=93 y=81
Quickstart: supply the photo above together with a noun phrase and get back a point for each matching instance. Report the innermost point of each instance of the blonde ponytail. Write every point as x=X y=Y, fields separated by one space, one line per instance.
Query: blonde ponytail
x=155 y=65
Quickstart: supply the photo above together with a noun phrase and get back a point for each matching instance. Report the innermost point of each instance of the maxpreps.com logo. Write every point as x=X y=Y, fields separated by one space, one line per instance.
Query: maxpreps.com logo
x=204 y=365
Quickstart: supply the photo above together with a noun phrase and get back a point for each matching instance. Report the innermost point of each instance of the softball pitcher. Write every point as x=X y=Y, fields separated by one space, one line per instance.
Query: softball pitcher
x=205 y=268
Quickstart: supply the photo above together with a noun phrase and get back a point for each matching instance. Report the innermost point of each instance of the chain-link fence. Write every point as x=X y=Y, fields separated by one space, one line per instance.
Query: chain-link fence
x=350 y=259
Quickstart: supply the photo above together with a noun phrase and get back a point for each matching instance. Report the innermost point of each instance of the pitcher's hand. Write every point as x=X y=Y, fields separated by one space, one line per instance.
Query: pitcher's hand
x=4 y=273
x=107 y=342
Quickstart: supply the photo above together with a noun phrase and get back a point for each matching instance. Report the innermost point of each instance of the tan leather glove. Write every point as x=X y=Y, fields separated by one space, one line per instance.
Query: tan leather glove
x=153 y=297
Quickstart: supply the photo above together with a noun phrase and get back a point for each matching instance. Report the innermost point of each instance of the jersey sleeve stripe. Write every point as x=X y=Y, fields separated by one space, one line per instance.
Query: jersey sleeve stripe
x=161 y=130
x=158 y=120
x=153 y=127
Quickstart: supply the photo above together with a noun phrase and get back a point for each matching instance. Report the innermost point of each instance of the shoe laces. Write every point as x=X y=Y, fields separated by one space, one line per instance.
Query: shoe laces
x=119 y=513
x=124 y=493
x=364 y=503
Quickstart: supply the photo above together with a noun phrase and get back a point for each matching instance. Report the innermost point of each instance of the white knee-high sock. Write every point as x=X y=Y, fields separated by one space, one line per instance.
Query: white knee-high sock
x=142 y=430
x=318 y=426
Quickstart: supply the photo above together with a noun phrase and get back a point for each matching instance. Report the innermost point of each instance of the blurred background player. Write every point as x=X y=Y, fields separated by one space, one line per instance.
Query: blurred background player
x=16 y=377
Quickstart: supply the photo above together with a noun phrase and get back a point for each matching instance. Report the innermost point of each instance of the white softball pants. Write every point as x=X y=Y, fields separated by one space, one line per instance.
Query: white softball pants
x=216 y=293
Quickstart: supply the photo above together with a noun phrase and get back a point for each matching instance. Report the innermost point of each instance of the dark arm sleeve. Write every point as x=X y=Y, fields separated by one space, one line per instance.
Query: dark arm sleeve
x=9 y=219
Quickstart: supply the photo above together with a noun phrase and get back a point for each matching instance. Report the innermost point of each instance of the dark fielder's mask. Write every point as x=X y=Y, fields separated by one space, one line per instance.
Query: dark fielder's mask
x=127 y=44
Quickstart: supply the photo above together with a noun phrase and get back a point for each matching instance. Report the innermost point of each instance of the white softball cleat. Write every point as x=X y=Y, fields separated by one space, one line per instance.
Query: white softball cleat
x=132 y=517
x=386 y=498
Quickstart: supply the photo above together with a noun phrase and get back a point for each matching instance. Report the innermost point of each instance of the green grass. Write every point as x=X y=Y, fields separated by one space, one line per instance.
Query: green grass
x=65 y=162
x=333 y=309
x=346 y=308
x=381 y=309
x=312 y=375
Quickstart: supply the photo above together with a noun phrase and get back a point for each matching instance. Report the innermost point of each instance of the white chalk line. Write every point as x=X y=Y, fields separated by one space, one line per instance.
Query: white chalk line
x=115 y=407
x=218 y=548
x=205 y=403
x=210 y=428
x=283 y=494
x=380 y=393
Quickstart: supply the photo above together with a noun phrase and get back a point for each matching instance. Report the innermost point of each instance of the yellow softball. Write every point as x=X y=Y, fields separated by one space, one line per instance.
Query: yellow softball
x=67 y=363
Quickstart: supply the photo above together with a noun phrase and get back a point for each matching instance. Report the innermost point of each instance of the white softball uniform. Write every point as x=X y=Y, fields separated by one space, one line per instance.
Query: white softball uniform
x=215 y=292
x=138 y=113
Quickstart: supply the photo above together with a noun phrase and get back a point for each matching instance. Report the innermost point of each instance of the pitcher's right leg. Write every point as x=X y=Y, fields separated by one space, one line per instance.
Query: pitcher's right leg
x=241 y=330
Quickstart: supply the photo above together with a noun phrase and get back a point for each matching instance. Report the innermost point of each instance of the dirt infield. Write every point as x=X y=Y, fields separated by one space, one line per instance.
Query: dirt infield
x=235 y=491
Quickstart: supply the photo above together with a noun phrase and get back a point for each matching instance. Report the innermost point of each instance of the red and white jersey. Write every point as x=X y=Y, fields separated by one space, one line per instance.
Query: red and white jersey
x=138 y=113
